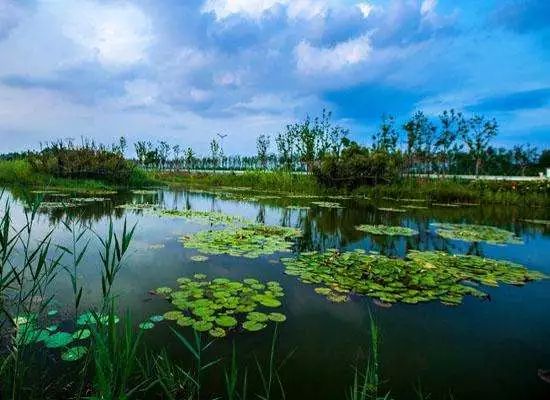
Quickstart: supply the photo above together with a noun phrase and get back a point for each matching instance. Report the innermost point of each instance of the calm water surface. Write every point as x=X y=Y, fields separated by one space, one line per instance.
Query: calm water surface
x=479 y=350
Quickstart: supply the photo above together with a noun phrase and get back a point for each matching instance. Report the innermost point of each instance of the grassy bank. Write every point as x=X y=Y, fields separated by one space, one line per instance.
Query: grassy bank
x=435 y=190
x=20 y=173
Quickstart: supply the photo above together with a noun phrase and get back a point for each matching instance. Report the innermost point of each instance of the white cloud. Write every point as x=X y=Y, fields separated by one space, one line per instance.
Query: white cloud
x=310 y=59
x=428 y=7
x=366 y=9
x=115 y=35
x=255 y=9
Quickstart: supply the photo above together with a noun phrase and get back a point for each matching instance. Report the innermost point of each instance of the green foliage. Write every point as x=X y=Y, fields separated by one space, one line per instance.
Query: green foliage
x=387 y=230
x=422 y=276
x=357 y=166
x=215 y=305
x=88 y=161
x=476 y=233
x=248 y=241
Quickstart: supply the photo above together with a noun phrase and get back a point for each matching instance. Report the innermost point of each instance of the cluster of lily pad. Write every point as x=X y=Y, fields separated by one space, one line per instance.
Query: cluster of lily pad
x=476 y=233
x=421 y=277
x=30 y=332
x=222 y=305
x=387 y=230
x=327 y=204
x=205 y=217
x=249 y=241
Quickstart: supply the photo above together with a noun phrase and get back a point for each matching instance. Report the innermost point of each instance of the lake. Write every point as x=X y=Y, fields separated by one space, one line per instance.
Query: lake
x=480 y=349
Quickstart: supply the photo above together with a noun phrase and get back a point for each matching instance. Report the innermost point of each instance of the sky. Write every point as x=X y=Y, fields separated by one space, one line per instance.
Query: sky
x=184 y=70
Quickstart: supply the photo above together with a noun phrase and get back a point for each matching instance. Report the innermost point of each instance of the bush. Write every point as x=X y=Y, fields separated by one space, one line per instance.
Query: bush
x=357 y=166
x=86 y=162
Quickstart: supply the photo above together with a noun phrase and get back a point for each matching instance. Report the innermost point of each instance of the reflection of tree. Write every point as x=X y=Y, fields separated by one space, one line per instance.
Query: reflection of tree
x=260 y=218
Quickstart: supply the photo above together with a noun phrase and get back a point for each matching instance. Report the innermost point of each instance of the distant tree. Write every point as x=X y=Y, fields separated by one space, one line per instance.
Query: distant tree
x=477 y=137
x=285 y=147
x=141 y=151
x=176 y=151
x=163 y=153
x=189 y=158
x=385 y=139
x=215 y=151
x=524 y=156
x=122 y=145
x=544 y=159
x=420 y=136
x=453 y=125
x=262 y=146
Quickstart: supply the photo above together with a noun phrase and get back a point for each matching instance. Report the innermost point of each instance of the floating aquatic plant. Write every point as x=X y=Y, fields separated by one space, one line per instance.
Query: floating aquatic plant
x=298 y=207
x=449 y=205
x=476 y=233
x=198 y=258
x=249 y=241
x=82 y=334
x=327 y=204
x=204 y=217
x=74 y=353
x=156 y=318
x=391 y=209
x=59 y=339
x=145 y=192
x=217 y=306
x=146 y=325
x=387 y=230
x=537 y=221
x=415 y=207
x=421 y=277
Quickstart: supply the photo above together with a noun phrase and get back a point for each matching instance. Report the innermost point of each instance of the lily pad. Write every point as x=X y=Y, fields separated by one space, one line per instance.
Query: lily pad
x=277 y=317
x=202 y=326
x=387 y=230
x=326 y=204
x=59 y=339
x=198 y=258
x=253 y=326
x=82 y=334
x=52 y=313
x=476 y=233
x=156 y=318
x=423 y=276
x=146 y=325
x=249 y=241
x=226 y=321
x=74 y=353
x=217 y=332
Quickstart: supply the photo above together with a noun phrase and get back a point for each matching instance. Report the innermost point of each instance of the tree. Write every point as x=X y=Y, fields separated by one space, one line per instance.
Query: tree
x=385 y=139
x=285 y=147
x=215 y=153
x=176 y=150
x=262 y=145
x=163 y=153
x=477 y=137
x=524 y=156
x=544 y=159
x=189 y=159
x=420 y=132
x=453 y=125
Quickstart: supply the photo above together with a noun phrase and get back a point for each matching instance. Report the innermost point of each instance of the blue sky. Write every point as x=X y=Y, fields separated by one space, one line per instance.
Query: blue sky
x=184 y=70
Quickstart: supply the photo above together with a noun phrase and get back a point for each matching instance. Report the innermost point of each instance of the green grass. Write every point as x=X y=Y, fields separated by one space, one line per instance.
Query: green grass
x=19 y=173
x=435 y=190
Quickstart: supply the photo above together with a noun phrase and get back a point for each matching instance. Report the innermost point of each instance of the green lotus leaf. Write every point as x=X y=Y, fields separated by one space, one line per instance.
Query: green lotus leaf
x=276 y=317
x=199 y=276
x=52 y=313
x=253 y=326
x=202 y=326
x=74 y=353
x=198 y=258
x=172 y=315
x=185 y=321
x=52 y=328
x=257 y=316
x=163 y=291
x=226 y=321
x=59 y=339
x=156 y=318
x=146 y=325
x=82 y=334
x=217 y=332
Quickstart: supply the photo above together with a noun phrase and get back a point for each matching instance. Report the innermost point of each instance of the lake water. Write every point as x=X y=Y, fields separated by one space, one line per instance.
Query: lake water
x=478 y=350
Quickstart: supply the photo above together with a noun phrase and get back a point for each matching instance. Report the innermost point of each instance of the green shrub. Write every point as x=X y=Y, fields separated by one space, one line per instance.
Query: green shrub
x=357 y=166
